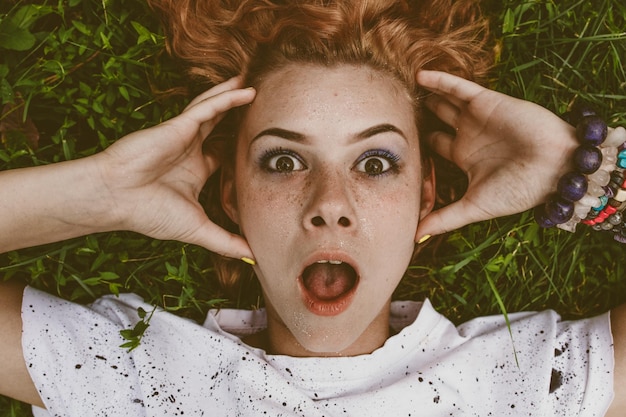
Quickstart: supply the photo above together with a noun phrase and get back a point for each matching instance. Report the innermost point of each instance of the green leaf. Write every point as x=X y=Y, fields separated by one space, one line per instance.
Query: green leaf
x=114 y=288
x=85 y=89
x=97 y=107
x=105 y=41
x=27 y=15
x=82 y=28
x=143 y=32
x=124 y=92
x=141 y=327
x=171 y=270
x=6 y=91
x=135 y=334
x=108 y=276
x=508 y=25
x=127 y=334
x=14 y=31
x=129 y=345
x=15 y=38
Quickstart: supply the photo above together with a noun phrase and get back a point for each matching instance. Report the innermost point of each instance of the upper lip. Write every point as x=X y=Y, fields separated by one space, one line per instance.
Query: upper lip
x=330 y=256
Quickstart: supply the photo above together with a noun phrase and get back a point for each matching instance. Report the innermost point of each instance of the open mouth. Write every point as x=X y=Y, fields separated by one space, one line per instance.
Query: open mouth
x=328 y=286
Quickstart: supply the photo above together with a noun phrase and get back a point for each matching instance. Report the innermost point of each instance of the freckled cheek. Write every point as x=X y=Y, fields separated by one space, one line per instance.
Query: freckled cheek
x=390 y=206
x=268 y=212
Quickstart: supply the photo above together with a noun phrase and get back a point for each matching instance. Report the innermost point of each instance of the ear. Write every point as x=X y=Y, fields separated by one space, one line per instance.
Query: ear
x=229 y=194
x=429 y=191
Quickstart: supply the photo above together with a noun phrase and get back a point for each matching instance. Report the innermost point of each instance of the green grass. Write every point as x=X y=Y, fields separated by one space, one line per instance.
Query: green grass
x=85 y=72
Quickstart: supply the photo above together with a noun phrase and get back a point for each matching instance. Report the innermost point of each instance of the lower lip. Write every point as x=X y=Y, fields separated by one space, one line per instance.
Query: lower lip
x=327 y=308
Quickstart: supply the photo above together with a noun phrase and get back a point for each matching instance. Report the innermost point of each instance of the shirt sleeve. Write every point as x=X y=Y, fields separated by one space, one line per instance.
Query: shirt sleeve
x=73 y=356
x=583 y=366
x=560 y=368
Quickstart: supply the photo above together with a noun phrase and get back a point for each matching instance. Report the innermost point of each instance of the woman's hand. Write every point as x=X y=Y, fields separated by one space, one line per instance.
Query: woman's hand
x=513 y=151
x=153 y=177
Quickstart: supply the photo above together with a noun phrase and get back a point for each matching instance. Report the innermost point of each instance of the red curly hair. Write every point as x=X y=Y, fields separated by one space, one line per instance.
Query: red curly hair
x=218 y=39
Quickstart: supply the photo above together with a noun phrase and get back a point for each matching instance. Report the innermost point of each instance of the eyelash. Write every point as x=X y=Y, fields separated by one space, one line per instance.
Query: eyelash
x=390 y=157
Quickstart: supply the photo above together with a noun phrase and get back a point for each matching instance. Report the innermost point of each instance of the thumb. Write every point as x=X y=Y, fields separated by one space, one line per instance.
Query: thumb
x=446 y=219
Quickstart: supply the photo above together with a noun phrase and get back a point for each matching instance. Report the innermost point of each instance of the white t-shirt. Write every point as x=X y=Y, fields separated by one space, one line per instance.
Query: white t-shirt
x=429 y=368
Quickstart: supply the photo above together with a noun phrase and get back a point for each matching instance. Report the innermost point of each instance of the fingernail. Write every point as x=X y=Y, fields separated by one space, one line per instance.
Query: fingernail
x=424 y=239
x=249 y=261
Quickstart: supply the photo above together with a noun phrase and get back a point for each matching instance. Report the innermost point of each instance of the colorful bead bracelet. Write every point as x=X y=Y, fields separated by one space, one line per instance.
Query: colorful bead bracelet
x=595 y=193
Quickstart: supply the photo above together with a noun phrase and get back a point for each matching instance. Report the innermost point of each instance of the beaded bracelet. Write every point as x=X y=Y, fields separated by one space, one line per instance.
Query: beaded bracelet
x=597 y=195
x=594 y=194
x=591 y=131
x=611 y=217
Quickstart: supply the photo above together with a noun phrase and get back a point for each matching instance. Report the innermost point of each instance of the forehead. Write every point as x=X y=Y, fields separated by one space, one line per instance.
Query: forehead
x=310 y=97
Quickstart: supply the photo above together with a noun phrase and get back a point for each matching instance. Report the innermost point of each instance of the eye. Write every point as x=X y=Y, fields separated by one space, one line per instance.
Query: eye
x=281 y=161
x=374 y=166
x=377 y=162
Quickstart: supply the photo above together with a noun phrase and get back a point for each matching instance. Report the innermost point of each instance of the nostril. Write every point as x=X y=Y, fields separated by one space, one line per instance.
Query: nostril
x=317 y=221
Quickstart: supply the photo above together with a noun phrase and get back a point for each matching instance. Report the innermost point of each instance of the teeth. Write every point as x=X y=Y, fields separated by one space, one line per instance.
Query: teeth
x=324 y=261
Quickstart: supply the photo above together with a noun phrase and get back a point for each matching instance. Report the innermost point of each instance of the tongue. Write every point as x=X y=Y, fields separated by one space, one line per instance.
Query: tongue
x=327 y=281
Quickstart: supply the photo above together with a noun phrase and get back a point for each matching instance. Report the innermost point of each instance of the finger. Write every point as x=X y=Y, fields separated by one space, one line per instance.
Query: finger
x=442 y=143
x=446 y=111
x=446 y=219
x=450 y=86
x=208 y=110
x=231 y=84
x=194 y=125
x=207 y=127
x=220 y=241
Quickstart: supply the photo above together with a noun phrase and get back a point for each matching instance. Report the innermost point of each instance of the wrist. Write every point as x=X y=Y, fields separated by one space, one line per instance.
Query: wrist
x=108 y=207
x=80 y=197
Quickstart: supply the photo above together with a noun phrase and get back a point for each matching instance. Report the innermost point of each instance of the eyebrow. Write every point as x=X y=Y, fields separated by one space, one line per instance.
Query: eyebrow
x=299 y=137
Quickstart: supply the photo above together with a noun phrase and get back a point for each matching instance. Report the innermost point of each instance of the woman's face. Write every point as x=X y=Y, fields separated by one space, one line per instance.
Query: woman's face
x=328 y=191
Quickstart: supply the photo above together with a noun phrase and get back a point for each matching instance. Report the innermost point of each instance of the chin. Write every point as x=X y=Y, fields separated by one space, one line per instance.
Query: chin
x=329 y=344
x=359 y=330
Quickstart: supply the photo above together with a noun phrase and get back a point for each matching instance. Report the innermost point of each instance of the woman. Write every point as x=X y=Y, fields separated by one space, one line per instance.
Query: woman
x=326 y=176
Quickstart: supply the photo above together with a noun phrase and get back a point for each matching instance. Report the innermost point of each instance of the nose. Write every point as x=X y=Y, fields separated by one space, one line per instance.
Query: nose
x=329 y=204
